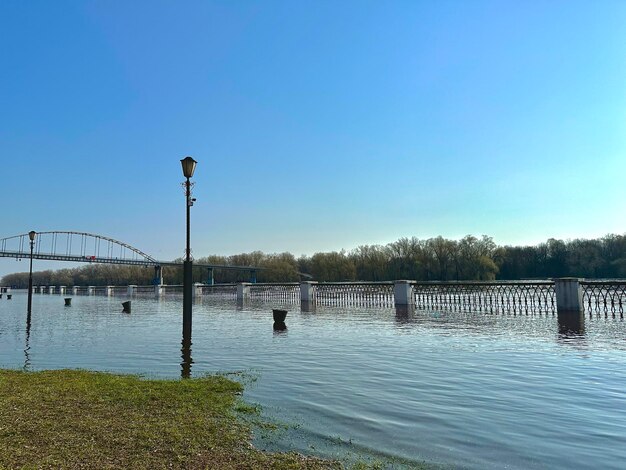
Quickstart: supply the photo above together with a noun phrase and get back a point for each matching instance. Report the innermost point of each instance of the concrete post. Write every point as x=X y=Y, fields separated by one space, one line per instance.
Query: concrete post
x=403 y=293
x=131 y=290
x=62 y=290
x=197 y=290
x=569 y=294
x=307 y=291
x=75 y=290
x=158 y=290
x=90 y=290
x=50 y=290
x=243 y=290
x=40 y=289
x=569 y=306
x=108 y=290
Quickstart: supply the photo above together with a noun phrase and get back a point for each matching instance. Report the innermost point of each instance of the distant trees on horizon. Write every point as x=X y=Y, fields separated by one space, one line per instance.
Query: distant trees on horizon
x=433 y=259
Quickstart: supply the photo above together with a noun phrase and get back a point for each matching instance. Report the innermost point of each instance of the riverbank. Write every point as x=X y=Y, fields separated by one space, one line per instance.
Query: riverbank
x=72 y=418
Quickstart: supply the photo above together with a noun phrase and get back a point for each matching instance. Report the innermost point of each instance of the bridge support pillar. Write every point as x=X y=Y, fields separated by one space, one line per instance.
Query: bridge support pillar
x=74 y=290
x=108 y=290
x=131 y=290
x=243 y=291
x=62 y=290
x=403 y=293
x=158 y=276
x=210 y=280
x=50 y=290
x=158 y=290
x=90 y=290
x=40 y=289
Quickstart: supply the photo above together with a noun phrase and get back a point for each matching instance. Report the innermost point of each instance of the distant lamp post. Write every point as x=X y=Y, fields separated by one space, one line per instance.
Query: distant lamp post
x=189 y=166
x=31 y=235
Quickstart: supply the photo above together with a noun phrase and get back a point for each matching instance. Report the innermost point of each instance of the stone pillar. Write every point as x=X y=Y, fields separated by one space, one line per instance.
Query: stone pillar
x=197 y=290
x=403 y=293
x=243 y=290
x=569 y=306
x=569 y=294
x=131 y=290
x=90 y=290
x=108 y=290
x=62 y=290
x=307 y=291
x=75 y=290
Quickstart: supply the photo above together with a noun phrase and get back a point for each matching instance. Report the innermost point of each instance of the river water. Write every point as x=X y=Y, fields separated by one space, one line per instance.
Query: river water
x=457 y=389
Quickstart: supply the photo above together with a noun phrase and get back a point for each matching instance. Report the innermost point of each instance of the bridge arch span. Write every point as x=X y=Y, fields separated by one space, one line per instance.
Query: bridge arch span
x=75 y=246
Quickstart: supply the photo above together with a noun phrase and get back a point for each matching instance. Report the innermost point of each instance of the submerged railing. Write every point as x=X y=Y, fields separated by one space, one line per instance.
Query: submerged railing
x=357 y=294
x=285 y=292
x=525 y=297
x=606 y=297
x=594 y=297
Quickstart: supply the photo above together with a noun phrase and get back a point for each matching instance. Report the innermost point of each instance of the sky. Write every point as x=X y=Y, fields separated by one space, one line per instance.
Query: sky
x=317 y=126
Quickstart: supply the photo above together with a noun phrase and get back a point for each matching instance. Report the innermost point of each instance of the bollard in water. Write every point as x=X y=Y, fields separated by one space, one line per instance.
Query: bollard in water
x=279 y=319
x=126 y=306
x=279 y=315
x=68 y=301
x=9 y=296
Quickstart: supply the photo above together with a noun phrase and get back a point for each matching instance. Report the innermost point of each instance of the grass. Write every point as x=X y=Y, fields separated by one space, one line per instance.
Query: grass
x=82 y=419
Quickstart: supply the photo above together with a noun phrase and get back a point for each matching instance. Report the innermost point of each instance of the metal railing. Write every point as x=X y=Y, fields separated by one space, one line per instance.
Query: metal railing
x=288 y=291
x=220 y=290
x=355 y=294
x=606 y=297
x=524 y=297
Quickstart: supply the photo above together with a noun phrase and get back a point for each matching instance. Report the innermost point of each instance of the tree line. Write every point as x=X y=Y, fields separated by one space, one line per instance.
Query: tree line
x=433 y=259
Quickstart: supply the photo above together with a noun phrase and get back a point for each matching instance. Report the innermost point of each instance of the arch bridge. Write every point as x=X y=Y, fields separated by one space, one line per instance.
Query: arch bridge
x=82 y=247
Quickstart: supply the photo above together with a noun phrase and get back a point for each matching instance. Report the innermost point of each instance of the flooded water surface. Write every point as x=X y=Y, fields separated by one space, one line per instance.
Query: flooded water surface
x=458 y=389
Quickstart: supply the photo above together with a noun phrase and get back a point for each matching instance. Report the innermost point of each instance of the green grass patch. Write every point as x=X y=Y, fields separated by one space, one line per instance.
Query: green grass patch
x=73 y=418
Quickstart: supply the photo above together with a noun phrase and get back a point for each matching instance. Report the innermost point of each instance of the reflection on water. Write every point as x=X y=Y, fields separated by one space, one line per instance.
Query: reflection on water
x=27 y=341
x=463 y=389
x=185 y=354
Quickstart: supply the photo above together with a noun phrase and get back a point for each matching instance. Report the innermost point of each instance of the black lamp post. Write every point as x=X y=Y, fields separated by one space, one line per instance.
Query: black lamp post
x=189 y=166
x=31 y=235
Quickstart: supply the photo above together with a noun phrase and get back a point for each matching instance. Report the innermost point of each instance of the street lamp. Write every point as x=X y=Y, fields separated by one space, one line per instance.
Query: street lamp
x=31 y=235
x=189 y=166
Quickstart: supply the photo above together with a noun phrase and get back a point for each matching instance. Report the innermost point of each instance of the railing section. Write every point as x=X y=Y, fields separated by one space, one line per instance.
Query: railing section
x=604 y=297
x=524 y=297
x=220 y=290
x=289 y=291
x=355 y=294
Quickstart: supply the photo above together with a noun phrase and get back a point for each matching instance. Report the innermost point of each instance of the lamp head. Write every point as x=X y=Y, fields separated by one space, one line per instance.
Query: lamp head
x=189 y=166
x=31 y=235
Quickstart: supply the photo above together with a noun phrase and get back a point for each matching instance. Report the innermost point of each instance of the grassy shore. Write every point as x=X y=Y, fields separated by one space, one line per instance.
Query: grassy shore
x=72 y=419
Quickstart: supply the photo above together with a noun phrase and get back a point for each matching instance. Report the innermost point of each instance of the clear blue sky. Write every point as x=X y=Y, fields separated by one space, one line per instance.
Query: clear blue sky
x=317 y=125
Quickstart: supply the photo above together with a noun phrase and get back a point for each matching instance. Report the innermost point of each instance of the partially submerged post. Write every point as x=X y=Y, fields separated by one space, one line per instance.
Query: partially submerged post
x=126 y=306
x=68 y=301
x=279 y=319
x=403 y=293
x=569 y=304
